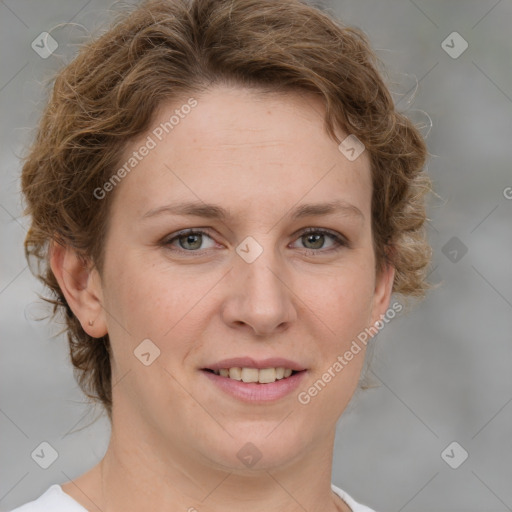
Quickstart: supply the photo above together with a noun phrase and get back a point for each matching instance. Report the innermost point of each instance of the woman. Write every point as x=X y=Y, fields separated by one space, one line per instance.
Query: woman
x=223 y=199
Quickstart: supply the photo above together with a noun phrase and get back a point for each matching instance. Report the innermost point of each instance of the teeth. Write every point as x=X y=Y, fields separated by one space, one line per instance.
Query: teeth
x=263 y=376
x=235 y=373
x=250 y=374
x=267 y=375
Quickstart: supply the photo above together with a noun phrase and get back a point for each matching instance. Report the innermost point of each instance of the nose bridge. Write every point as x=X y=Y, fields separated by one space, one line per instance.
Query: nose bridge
x=259 y=296
x=259 y=275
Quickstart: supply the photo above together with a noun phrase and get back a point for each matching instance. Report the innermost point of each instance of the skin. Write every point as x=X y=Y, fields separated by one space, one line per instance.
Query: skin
x=175 y=436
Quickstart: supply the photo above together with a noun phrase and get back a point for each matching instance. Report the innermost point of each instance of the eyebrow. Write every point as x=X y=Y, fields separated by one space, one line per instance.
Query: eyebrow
x=212 y=211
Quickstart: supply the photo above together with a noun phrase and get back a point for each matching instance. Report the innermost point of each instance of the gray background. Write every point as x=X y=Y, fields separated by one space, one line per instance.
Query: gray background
x=442 y=369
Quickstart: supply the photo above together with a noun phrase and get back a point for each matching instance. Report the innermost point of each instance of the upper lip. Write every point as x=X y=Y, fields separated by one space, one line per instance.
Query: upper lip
x=248 y=362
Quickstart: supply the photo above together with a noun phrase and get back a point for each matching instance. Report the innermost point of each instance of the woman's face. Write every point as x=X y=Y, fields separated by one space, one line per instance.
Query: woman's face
x=252 y=284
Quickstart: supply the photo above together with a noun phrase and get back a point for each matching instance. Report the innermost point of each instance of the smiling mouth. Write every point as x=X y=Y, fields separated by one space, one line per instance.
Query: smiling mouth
x=255 y=375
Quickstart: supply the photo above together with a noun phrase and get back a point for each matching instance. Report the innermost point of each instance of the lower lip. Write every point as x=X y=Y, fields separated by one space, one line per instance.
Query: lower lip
x=252 y=391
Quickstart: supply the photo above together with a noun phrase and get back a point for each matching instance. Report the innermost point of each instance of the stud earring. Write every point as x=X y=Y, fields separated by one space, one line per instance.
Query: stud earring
x=91 y=323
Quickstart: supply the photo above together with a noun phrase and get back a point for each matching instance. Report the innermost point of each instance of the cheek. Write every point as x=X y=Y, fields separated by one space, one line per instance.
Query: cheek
x=347 y=298
x=146 y=300
x=347 y=321
x=345 y=309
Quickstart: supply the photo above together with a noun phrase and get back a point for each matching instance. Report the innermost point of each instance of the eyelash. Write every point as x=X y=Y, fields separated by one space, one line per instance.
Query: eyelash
x=340 y=241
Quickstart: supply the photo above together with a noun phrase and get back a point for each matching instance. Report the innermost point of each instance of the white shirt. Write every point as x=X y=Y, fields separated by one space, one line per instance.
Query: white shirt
x=56 y=500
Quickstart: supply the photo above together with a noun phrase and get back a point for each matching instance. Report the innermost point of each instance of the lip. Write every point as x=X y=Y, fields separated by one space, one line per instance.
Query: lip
x=248 y=362
x=252 y=392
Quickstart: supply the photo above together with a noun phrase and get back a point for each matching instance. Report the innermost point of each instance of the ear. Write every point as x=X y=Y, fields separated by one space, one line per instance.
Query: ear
x=383 y=290
x=80 y=283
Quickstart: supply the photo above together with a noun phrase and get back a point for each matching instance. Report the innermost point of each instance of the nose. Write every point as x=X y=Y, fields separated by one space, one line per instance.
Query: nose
x=259 y=298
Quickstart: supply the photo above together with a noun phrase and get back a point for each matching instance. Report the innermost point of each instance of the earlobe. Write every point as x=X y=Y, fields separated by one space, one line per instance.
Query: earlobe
x=80 y=284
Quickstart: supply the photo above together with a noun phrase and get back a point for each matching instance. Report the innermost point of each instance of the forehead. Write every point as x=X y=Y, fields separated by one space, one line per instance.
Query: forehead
x=245 y=148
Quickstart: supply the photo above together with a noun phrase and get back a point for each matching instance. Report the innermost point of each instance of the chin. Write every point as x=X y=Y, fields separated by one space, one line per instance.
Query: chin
x=270 y=447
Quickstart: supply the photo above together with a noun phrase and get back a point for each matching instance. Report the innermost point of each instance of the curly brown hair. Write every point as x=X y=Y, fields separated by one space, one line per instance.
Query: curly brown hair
x=166 y=49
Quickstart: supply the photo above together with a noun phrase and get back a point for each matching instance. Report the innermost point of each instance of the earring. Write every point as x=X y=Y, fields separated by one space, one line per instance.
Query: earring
x=91 y=322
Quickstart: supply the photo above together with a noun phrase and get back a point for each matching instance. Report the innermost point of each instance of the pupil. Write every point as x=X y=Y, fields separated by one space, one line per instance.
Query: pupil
x=189 y=239
x=318 y=237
